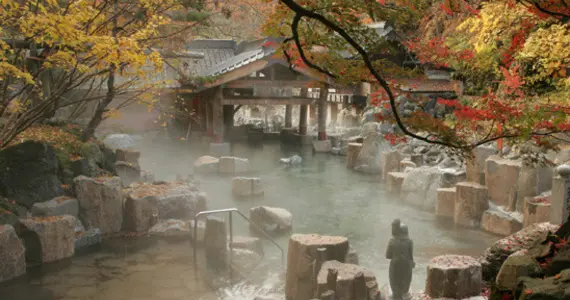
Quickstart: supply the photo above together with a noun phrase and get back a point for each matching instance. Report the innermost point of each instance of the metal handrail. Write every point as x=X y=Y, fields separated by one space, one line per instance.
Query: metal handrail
x=229 y=211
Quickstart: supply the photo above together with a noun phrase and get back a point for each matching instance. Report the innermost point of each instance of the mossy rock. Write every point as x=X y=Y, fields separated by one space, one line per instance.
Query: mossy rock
x=92 y=152
x=549 y=288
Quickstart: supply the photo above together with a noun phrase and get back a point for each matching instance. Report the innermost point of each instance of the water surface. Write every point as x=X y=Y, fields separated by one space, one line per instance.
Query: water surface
x=322 y=194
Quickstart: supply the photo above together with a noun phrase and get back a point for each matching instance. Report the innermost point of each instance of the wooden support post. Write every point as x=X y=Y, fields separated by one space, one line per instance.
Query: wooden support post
x=288 y=116
x=334 y=112
x=228 y=111
x=322 y=114
x=345 y=103
x=303 y=114
x=217 y=115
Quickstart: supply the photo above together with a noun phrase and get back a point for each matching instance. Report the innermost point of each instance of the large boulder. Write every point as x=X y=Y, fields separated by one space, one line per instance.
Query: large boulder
x=555 y=287
x=206 y=164
x=301 y=256
x=271 y=219
x=175 y=199
x=500 y=223
x=537 y=209
x=29 y=173
x=453 y=276
x=445 y=205
x=346 y=281
x=101 y=202
x=352 y=154
x=532 y=181
x=128 y=172
x=470 y=204
x=390 y=162
x=501 y=176
x=420 y=187
x=246 y=186
x=12 y=254
x=141 y=212
x=121 y=141
x=475 y=166
x=369 y=158
x=129 y=156
x=232 y=165
x=56 y=235
x=514 y=267
x=394 y=182
x=494 y=256
x=56 y=207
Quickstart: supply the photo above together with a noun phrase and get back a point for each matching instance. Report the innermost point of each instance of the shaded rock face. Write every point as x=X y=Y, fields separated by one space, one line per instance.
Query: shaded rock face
x=141 y=213
x=101 y=202
x=12 y=254
x=445 y=205
x=128 y=156
x=345 y=282
x=555 y=287
x=453 y=276
x=30 y=173
x=56 y=235
x=494 y=257
x=514 y=267
x=271 y=219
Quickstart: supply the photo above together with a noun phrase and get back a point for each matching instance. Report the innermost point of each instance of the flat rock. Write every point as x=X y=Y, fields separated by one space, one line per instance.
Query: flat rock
x=59 y=206
x=171 y=228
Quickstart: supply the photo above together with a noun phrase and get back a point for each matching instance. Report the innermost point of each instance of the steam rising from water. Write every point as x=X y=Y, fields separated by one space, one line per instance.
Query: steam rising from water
x=270 y=289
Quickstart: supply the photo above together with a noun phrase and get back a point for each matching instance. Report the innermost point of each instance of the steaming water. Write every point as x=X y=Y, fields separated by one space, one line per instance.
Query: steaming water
x=323 y=196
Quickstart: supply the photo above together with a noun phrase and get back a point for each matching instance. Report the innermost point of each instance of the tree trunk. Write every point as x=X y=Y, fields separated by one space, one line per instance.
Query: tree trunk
x=97 y=118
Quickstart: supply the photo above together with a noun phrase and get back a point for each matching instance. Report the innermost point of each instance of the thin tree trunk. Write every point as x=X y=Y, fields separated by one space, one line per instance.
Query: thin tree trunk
x=102 y=105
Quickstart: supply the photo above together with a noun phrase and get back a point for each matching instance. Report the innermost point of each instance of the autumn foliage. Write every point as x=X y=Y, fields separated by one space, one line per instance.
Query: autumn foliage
x=509 y=54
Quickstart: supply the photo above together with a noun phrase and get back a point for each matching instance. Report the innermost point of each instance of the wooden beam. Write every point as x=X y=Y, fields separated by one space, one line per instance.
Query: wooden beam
x=250 y=83
x=266 y=101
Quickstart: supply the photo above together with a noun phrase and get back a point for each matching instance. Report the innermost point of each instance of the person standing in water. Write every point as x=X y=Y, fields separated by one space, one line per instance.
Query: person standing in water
x=400 y=254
